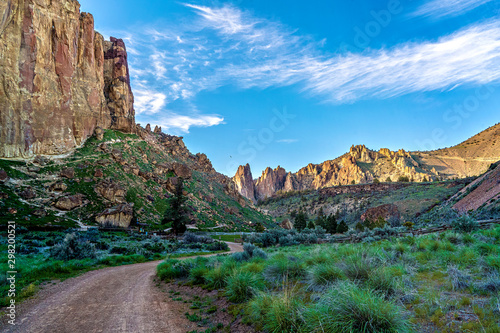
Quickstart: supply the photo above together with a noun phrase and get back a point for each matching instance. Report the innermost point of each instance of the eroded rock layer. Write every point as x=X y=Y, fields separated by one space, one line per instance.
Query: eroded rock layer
x=59 y=79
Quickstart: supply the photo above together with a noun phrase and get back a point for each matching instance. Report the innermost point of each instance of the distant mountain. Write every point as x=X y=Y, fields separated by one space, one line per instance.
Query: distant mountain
x=362 y=165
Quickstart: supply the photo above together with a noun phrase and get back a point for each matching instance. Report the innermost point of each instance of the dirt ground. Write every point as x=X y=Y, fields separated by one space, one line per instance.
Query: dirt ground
x=114 y=299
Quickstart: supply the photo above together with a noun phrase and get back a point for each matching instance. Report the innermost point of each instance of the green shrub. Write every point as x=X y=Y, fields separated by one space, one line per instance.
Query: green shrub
x=241 y=286
x=348 y=308
x=383 y=281
x=276 y=313
x=172 y=269
x=465 y=223
x=197 y=274
x=284 y=268
x=324 y=274
x=72 y=248
x=216 y=278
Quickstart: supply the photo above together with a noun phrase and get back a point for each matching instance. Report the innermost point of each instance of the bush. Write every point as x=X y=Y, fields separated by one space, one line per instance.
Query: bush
x=173 y=269
x=284 y=268
x=465 y=223
x=276 y=313
x=348 y=308
x=241 y=286
x=249 y=251
x=324 y=274
x=72 y=248
x=458 y=279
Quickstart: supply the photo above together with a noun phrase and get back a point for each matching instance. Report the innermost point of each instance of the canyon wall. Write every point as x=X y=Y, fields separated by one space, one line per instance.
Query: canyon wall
x=59 y=79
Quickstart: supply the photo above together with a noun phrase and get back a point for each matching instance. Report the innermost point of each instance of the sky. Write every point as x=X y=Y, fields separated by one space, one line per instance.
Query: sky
x=293 y=82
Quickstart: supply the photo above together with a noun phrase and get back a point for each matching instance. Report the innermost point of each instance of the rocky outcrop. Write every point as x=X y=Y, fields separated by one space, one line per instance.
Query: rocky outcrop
x=360 y=166
x=111 y=191
x=244 y=182
x=181 y=170
x=118 y=216
x=271 y=181
x=59 y=79
x=387 y=212
x=286 y=224
x=70 y=202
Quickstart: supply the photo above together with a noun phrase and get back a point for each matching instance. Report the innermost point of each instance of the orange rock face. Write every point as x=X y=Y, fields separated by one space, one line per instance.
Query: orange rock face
x=59 y=79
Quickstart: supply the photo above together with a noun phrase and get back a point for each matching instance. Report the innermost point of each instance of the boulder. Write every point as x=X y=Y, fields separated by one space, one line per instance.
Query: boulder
x=117 y=216
x=70 y=202
x=286 y=224
x=40 y=160
x=58 y=187
x=181 y=170
x=99 y=133
x=98 y=173
x=387 y=212
x=39 y=212
x=111 y=191
x=68 y=173
x=171 y=184
x=3 y=175
x=28 y=194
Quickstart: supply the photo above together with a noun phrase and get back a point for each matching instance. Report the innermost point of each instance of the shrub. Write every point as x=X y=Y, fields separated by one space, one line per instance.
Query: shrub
x=324 y=274
x=216 y=278
x=465 y=223
x=73 y=248
x=277 y=313
x=241 y=286
x=249 y=251
x=348 y=308
x=381 y=280
x=173 y=269
x=458 y=279
x=284 y=268
x=490 y=285
x=359 y=268
x=197 y=274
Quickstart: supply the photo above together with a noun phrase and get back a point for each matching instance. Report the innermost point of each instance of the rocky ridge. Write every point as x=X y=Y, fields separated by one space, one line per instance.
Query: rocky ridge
x=362 y=165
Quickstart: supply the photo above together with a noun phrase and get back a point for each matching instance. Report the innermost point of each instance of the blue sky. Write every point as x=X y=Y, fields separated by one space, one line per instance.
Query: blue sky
x=295 y=82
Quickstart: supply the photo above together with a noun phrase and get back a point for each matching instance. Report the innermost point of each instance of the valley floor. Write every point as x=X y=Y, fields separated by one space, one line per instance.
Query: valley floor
x=114 y=299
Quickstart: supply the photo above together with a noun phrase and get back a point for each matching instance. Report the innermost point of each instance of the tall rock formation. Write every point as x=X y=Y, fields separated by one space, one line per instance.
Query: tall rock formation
x=244 y=182
x=59 y=79
x=271 y=181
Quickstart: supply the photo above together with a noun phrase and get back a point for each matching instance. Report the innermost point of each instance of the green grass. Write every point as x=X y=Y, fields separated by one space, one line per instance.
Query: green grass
x=411 y=284
x=227 y=238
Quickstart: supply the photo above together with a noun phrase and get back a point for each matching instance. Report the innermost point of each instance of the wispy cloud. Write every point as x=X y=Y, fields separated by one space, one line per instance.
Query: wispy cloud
x=442 y=8
x=287 y=141
x=184 y=123
x=229 y=46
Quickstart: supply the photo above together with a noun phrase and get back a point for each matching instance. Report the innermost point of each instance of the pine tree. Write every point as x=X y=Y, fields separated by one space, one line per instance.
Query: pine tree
x=321 y=219
x=331 y=224
x=342 y=227
x=176 y=213
x=300 y=222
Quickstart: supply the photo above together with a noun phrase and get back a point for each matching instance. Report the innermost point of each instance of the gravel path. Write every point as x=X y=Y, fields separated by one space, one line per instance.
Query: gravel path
x=113 y=299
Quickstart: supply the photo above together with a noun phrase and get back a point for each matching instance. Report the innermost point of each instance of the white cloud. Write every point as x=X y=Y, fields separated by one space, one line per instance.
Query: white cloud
x=442 y=8
x=287 y=141
x=228 y=46
x=184 y=123
x=148 y=102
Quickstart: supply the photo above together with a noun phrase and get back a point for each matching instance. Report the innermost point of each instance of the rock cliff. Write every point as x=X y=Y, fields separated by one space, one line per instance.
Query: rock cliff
x=362 y=165
x=59 y=79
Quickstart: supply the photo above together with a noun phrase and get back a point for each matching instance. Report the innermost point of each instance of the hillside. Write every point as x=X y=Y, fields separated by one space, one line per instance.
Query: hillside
x=362 y=165
x=484 y=192
x=350 y=202
x=118 y=179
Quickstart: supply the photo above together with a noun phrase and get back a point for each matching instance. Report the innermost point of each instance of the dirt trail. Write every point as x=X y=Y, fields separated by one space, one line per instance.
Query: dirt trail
x=114 y=299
